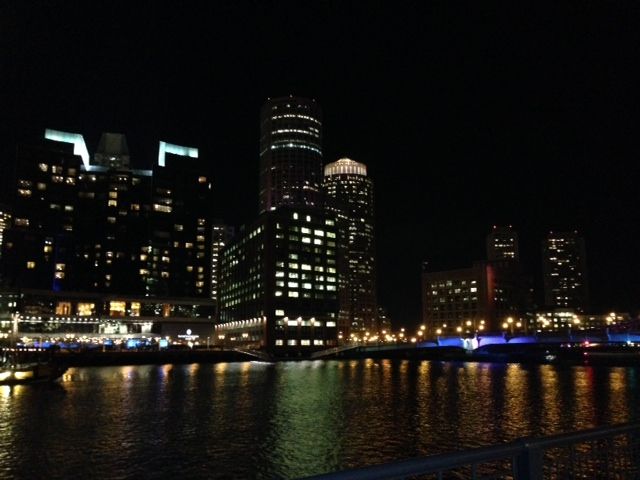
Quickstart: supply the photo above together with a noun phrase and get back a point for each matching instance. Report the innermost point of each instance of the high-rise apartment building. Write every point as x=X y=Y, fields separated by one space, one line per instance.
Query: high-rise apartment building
x=565 y=271
x=349 y=197
x=502 y=244
x=290 y=153
x=104 y=227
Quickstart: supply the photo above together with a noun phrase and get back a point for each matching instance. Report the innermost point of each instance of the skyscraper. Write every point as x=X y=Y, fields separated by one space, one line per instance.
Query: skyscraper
x=502 y=244
x=565 y=271
x=290 y=153
x=278 y=284
x=349 y=197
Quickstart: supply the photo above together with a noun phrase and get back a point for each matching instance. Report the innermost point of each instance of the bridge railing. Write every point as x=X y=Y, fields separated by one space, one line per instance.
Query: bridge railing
x=606 y=452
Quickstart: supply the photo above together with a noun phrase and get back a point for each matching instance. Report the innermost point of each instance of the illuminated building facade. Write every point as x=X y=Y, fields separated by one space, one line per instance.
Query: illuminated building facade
x=105 y=227
x=481 y=298
x=221 y=234
x=178 y=255
x=55 y=315
x=279 y=282
x=502 y=244
x=5 y=222
x=349 y=197
x=290 y=153
x=565 y=271
x=38 y=248
x=568 y=320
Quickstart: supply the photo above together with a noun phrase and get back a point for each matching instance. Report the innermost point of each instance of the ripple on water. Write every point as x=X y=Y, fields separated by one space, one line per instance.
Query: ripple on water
x=287 y=420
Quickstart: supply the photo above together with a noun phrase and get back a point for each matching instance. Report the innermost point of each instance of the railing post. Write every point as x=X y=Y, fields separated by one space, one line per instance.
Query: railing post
x=529 y=462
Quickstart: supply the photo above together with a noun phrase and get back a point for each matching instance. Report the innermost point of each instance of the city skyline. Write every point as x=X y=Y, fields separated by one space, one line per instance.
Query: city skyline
x=504 y=134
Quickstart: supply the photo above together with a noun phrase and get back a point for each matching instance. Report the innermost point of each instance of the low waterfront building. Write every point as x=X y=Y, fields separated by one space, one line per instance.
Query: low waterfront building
x=488 y=296
x=570 y=319
x=57 y=315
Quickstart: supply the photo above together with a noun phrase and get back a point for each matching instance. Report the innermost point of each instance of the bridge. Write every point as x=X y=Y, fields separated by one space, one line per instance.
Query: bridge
x=605 y=452
x=483 y=344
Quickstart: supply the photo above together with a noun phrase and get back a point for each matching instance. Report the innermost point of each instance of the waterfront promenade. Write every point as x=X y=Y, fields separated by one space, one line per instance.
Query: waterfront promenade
x=579 y=354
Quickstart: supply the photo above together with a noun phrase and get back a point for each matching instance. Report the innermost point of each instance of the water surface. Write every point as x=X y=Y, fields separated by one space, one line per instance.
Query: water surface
x=288 y=420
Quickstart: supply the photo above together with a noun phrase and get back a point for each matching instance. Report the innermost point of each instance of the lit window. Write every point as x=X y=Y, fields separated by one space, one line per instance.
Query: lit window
x=63 y=308
x=279 y=342
x=292 y=342
x=31 y=265
x=305 y=342
x=86 y=309
x=280 y=313
x=293 y=294
x=202 y=179
x=117 y=309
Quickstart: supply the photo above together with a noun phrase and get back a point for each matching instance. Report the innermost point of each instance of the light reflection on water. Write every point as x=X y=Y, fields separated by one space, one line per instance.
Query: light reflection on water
x=286 y=420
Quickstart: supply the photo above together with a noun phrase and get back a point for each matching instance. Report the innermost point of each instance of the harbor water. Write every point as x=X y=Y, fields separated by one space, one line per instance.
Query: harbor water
x=291 y=419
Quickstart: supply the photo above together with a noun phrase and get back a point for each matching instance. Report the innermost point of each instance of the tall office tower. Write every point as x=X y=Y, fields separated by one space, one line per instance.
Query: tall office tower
x=221 y=234
x=278 y=284
x=565 y=271
x=290 y=153
x=349 y=197
x=502 y=244
x=112 y=151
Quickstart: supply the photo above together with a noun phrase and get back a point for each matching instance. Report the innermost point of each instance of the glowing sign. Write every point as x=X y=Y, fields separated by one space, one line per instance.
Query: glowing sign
x=77 y=140
x=176 y=150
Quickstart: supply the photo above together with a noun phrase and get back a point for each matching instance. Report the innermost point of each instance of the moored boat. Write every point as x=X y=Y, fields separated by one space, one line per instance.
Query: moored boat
x=13 y=371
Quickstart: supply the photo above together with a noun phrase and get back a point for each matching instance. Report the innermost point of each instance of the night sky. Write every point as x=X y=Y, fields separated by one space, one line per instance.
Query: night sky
x=466 y=115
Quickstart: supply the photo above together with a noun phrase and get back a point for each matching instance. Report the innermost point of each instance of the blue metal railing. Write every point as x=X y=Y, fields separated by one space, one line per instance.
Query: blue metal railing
x=607 y=452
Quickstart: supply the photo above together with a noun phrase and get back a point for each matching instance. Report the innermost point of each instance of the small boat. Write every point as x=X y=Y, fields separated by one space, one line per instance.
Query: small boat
x=32 y=370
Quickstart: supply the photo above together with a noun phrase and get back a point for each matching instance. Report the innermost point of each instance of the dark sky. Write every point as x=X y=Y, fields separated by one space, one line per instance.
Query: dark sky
x=467 y=115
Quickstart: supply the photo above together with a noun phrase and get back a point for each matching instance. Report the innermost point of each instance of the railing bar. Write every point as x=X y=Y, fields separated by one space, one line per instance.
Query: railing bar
x=438 y=463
